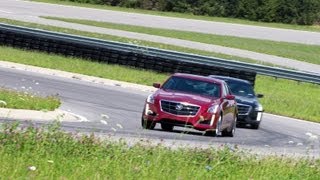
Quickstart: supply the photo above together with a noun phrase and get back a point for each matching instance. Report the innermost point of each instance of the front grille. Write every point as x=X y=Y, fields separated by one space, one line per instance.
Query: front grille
x=243 y=109
x=184 y=110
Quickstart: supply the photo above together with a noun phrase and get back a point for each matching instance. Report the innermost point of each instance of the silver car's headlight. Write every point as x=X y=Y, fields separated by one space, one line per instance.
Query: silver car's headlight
x=213 y=109
x=150 y=99
x=258 y=108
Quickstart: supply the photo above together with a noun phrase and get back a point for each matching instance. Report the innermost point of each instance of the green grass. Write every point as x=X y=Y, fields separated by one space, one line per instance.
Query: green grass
x=315 y=28
x=21 y=100
x=289 y=98
x=307 y=53
x=58 y=155
x=283 y=97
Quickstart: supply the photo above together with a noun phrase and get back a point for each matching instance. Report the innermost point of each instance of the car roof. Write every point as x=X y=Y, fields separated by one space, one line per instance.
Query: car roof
x=198 y=77
x=229 y=78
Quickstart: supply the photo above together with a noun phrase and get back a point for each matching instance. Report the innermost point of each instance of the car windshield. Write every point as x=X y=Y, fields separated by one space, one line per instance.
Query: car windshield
x=240 y=88
x=192 y=86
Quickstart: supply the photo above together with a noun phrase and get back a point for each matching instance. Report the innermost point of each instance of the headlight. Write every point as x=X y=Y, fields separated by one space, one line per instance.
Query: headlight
x=213 y=109
x=258 y=108
x=150 y=99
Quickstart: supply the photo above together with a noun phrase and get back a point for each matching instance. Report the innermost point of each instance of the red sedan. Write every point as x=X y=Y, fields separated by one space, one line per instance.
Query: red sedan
x=198 y=102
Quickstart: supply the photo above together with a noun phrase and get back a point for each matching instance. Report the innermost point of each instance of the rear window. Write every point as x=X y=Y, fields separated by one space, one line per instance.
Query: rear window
x=192 y=86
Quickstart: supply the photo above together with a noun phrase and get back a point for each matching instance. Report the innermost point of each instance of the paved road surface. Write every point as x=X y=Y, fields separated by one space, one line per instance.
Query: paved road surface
x=124 y=106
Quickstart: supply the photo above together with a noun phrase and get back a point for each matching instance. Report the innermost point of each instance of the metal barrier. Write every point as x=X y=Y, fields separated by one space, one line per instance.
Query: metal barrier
x=140 y=57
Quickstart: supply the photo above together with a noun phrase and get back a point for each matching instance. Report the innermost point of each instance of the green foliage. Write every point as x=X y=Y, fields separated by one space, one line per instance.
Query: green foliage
x=27 y=100
x=304 y=12
x=289 y=98
x=48 y=153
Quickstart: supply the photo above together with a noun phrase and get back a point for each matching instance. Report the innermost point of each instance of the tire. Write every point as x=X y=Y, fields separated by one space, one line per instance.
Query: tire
x=166 y=127
x=231 y=132
x=147 y=124
x=255 y=125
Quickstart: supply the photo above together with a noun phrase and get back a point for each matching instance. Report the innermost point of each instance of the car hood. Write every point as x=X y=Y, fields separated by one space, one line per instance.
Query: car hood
x=184 y=97
x=252 y=101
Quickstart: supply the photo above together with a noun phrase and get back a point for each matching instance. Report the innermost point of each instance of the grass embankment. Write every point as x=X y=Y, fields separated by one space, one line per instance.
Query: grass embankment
x=52 y=154
x=24 y=100
x=283 y=97
x=307 y=53
x=315 y=28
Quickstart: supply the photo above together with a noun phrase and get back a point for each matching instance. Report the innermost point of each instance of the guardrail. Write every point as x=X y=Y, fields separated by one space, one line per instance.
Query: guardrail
x=141 y=57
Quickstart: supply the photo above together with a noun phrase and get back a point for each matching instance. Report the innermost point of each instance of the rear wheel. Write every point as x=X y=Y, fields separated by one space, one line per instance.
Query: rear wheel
x=147 y=124
x=166 y=127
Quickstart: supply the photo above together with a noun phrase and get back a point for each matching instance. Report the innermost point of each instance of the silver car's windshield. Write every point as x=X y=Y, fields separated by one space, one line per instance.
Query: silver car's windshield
x=241 y=89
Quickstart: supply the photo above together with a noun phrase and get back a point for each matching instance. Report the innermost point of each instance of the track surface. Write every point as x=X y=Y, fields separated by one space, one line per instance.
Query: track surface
x=28 y=9
x=124 y=106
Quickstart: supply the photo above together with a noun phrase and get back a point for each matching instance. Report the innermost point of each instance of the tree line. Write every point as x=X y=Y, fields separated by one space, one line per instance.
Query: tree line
x=302 y=12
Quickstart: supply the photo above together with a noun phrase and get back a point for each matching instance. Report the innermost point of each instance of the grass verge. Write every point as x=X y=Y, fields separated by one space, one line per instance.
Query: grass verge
x=24 y=100
x=52 y=154
x=307 y=53
x=315 y=28
x=282 y=97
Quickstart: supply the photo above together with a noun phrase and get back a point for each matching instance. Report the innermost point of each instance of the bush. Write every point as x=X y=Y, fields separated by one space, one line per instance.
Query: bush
x=303 y=12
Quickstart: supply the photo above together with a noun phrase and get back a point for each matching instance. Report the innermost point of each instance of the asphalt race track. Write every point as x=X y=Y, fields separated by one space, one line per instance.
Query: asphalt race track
x=123 y=106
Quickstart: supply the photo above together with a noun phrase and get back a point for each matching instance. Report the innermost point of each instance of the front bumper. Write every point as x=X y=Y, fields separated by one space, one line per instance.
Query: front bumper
x=202 y=121
x=253 y=117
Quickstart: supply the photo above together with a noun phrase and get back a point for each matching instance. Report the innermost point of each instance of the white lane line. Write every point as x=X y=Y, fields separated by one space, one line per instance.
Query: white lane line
x=8 y=12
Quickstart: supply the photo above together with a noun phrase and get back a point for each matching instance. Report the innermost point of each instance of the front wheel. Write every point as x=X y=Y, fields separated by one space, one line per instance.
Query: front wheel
x=218 y=131
x=231 y=132
x=147 y=124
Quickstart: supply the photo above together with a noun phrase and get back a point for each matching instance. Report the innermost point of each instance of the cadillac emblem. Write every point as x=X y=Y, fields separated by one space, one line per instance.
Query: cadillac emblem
x=179 y=107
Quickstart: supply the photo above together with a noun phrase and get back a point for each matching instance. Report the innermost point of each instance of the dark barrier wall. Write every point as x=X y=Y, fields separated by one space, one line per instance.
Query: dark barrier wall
x=102 y=52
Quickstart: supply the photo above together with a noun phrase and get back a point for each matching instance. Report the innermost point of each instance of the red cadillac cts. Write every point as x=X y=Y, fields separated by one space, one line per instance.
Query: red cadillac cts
x=186 y=100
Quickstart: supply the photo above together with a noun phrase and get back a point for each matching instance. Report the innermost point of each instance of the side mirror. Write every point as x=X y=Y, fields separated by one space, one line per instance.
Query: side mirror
x=230 y=97
x=259 y=95
x=156 y=85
